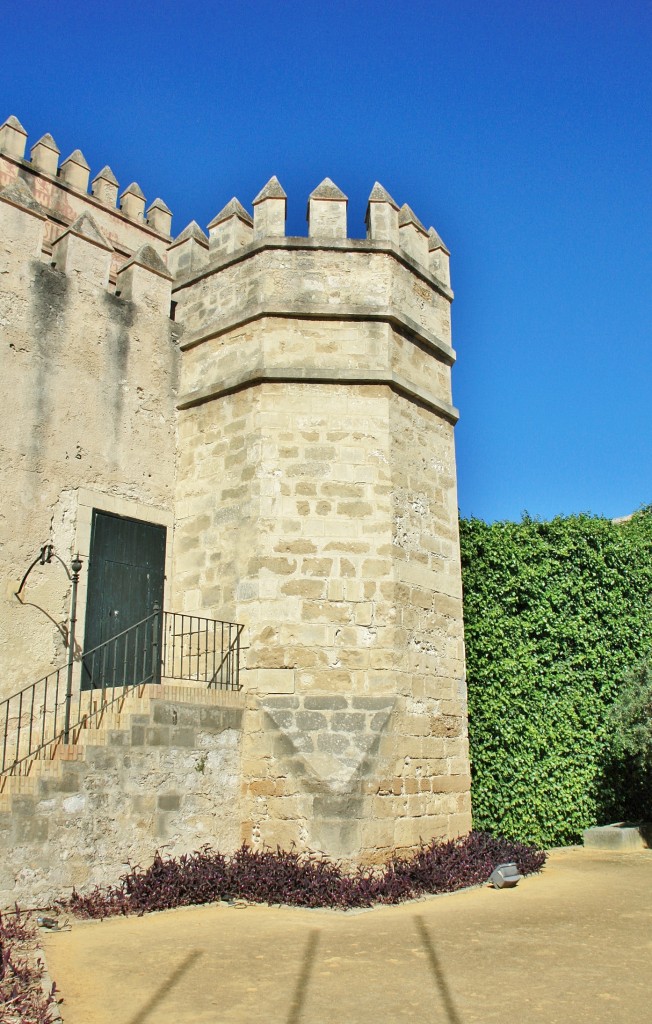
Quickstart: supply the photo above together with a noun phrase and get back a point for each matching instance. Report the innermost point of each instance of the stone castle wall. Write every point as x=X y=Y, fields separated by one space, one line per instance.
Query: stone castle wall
x=162 y=775
x=88 y=374
x=283 y=406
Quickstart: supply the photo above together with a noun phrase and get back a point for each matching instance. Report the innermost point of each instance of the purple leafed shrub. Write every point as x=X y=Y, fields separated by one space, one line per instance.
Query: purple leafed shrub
x=23 y=999
x=302 y=880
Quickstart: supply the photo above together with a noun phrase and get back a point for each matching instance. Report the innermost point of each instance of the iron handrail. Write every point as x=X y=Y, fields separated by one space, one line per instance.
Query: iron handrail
x=168 y=644
x=202 y=650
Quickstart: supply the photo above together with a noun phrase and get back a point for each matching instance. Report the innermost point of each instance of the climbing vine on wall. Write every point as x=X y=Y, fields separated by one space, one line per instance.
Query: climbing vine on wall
x=556 y=615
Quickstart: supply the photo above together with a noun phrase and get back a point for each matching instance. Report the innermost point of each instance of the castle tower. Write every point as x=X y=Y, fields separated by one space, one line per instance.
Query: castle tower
x=275 y=415
x=316 y=503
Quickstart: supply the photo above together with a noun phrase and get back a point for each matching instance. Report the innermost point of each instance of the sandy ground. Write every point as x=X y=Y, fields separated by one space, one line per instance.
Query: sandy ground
x=573 y=944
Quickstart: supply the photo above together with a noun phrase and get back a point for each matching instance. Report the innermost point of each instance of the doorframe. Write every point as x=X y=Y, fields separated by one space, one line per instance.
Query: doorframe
x=89 y=501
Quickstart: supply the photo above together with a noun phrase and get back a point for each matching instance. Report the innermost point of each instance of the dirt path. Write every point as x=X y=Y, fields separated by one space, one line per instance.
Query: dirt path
x=571 y=945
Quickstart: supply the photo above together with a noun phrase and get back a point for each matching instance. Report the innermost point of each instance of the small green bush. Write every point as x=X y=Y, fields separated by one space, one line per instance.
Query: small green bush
x=556 y=613
x=630 y=718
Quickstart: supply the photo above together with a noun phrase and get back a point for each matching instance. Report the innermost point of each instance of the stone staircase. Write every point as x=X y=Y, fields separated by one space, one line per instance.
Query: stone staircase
x=134 y=719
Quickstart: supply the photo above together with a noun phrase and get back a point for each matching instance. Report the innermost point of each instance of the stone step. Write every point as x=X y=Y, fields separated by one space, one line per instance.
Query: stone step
x=106 y=729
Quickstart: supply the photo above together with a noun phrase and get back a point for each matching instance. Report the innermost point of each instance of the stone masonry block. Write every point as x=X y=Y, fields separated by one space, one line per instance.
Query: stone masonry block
x=157 y=736
x=325 y=703
x=310 y=720
x=351 y=721
x=174 y=714
x=168 y=801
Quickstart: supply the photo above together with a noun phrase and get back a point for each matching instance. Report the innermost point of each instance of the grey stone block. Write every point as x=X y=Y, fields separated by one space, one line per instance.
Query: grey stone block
x=218 y=719
x=377 y=721
x=164 y=713
x=22 y=803
x=232 y=718
x=183 y=737
x=325 y=703
x=157 y=736
x=623 y=836
x=333 y=742
x=282 y=719
x=29 y=828
x=137 y=735
x=280 y=702
x=169 y=801
x=310 y=720
x=119 y=738
x=373 y=703
x=349 y=721
x=70 y=778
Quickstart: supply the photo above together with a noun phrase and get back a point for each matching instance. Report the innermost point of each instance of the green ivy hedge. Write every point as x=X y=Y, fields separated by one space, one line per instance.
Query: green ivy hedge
x=556 y=614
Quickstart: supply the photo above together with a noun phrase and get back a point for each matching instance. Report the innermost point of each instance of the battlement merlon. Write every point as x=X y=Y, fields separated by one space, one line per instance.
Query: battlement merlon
x=236 y=239
x=13 y=138
x=62 y=192
x=233 y=231
x=251 y=309
x=82 y=250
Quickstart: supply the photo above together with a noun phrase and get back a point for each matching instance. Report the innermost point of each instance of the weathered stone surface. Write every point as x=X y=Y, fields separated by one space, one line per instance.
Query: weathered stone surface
x=180 y=783
x=293 y=430
x=621 y=837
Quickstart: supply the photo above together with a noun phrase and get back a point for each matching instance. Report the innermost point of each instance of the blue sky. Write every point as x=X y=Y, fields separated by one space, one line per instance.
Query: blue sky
x=520 y=130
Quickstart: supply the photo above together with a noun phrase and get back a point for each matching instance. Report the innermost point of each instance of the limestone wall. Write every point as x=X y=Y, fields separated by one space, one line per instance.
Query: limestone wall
x=318 y=474
x=64 y=189
x=293 y=429
x=165 y=777
x=87 y=388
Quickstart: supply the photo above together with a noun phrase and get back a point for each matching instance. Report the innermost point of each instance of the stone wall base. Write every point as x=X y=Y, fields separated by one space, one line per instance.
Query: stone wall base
x=164 y=775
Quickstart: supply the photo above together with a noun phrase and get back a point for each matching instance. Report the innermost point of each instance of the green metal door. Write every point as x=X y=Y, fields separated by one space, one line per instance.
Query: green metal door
x=125 y=585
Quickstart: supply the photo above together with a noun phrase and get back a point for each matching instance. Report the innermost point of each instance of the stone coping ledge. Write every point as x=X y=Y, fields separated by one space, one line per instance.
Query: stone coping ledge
x=171 y=690
x=302 y=375
x=313 y=311
x=364 y=245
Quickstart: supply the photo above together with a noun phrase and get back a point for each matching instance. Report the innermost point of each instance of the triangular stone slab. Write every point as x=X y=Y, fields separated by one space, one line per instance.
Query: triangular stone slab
x=328 y=190
x=408 y=216
x=435 y=242
x=147 y=257
x=379 y=194
x=19 y=195
x=193 y=231
x=87 y=228
x=233 y=208
x=272 y=190
x=331 y=734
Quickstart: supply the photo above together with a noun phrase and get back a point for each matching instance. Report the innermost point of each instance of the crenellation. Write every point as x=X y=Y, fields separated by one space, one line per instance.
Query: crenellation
x=159 y=216
x=132 y=202
x=413 y=236
x=104 y=187
x=270 y=210
x=44 y=155
x=293 y=431
x=230 y=230
x=189 y=251
x=82 y=250
x=326 y=212
x=439 y=258
x=145 y=279
x=13 y=138
x=381 y=217
x=74 y=171
x=22 y=223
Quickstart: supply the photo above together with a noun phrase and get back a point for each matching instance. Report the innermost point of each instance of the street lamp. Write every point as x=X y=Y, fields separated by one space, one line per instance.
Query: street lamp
x=44 y=557
x=75 y=566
